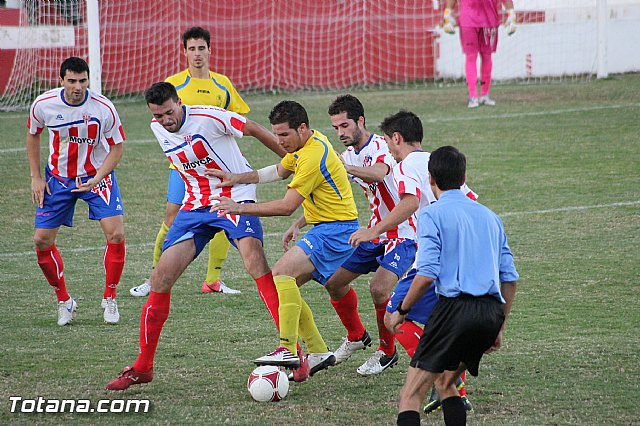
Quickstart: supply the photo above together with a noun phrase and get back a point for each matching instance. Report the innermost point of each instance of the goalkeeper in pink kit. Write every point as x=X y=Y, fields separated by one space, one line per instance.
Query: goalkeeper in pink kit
x=479 y=21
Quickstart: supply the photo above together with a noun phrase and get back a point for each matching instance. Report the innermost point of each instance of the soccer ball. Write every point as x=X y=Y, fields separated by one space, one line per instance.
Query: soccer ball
x=268 y=383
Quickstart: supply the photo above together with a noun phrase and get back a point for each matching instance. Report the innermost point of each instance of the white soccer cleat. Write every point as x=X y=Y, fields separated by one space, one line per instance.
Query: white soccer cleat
x=486 y=100
x=348 y=348
x=111 y=314
x=320 y=361
x=142 y=290
x=472 y=103
x=66 y=311
x=378 y=363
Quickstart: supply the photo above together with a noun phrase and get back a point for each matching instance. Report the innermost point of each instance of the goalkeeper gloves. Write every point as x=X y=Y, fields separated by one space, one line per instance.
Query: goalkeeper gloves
x=510 y=22
x=449 y=22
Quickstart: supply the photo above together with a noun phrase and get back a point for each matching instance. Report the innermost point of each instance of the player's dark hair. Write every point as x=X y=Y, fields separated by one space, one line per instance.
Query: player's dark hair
x=75 y=64
x=160 y=93
x=289 y=112
x=196 y=33
x=405 y=123
x=349 y=104
x=447 y=166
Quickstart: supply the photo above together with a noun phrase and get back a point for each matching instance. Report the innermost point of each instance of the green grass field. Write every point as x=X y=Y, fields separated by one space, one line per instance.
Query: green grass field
x=560 y=163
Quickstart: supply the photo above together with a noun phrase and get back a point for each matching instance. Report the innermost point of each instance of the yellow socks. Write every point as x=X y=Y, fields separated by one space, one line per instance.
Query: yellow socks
x=157 y=250
x=289 y=311
x=309 y=331
x=218 y=252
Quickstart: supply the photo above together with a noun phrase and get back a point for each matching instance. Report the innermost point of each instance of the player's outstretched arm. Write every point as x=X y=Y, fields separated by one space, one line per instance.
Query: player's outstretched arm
x=373 y=173
x=38 y=185
x=267 y=138
x=284 y=207
x=110 y=162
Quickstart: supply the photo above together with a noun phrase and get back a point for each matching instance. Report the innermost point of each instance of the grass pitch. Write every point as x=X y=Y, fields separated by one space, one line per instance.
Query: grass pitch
x=559 y=162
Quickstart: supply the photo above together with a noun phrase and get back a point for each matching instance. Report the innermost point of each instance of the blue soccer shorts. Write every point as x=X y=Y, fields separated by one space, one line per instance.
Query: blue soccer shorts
x=327 y=245
x=201 y=225
x=104 y=200
x=175 y=187
x=393 y=255
x=422 y=309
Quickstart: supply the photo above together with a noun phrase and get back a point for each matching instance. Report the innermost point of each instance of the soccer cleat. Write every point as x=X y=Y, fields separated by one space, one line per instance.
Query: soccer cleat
x=434 y=400
x=473 y=103
x=466 y=403
x=142 y=290
x=486 y=100
x=111 y=314
x=218 y=287
x=348 y=348
x=66 y=311
x=129 y=377
x=378 y=363
x=301 y=373
x=432 y=405
x=320 y=361
x=281 y=356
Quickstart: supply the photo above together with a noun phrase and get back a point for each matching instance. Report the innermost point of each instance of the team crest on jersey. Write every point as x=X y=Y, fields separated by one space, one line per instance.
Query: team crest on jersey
x=103 y=189
x=367 y=161
x=86 y=118
x=187 y=138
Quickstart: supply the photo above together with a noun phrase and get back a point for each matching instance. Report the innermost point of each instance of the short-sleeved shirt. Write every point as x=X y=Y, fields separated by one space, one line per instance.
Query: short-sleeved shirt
x=320 y=177
x=382 y=196
x=215 y=91
x=479 y=13
x=463 y=247
x=206 y=140
x=80 y=136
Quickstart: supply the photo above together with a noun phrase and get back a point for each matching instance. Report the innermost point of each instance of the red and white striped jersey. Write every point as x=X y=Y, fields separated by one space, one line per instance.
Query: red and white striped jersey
x=411 y=176
x=80 y=136
x=206 y=140
x=383 y=196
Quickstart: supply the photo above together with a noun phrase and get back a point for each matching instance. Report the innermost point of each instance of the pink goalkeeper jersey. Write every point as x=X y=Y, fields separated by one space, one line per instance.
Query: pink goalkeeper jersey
x=79 y=135
x=206 y=140
x=479 y=13
x=383 y=196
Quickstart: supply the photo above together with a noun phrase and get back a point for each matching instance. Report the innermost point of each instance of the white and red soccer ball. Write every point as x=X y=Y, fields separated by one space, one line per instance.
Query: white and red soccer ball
x=268 y=383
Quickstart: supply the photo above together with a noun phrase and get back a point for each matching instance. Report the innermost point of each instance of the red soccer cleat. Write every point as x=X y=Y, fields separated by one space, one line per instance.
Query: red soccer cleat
x=301 y=373
x=129 y=377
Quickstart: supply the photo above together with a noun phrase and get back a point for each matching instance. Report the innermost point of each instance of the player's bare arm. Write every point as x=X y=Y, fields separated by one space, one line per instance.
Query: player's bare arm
x=284 y=207
x=110 y=162
x=255 y=176
x=373 y=173
x=38 y=185
x=267 y=138
x=418 y=288
x=407 y=206
x=292 y=233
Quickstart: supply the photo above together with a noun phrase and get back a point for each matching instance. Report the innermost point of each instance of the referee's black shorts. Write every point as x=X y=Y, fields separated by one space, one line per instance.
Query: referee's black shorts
x=459 y=330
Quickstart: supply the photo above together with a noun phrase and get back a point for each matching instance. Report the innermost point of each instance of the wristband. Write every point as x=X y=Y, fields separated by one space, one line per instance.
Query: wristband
x=400 y=310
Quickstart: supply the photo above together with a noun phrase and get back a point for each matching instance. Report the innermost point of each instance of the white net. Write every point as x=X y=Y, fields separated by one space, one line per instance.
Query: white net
x=275 y=45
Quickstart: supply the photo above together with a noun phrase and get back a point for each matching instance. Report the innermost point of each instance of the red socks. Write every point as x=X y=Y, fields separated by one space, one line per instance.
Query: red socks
x=114 y=254
x=52 y=266
x=387 y=341
x=154 y=314
x=411 y=336
x=347 y=310
x=269 y=295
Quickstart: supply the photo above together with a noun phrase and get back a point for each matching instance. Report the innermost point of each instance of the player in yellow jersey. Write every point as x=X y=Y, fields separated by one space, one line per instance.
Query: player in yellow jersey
x=197 y=85
x=320 y=184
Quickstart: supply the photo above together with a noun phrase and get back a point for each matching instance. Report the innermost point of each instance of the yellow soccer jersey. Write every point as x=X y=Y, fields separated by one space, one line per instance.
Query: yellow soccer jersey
x=215 y=91
x=321 y=179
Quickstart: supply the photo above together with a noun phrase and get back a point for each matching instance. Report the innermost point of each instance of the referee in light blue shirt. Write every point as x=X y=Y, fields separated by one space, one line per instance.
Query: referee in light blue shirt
x=462 y=246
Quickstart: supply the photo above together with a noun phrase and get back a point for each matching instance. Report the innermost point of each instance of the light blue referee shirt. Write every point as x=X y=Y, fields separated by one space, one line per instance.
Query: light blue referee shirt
x=463 y=246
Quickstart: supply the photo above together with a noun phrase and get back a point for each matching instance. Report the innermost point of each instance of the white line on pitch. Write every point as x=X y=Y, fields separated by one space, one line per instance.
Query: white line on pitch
x=278 y=234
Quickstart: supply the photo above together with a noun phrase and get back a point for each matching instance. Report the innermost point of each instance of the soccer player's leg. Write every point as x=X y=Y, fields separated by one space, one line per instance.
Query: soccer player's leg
x=182 y=246
x=488 y=44
x=57 y=209
x=469 y=38
x=218 y=252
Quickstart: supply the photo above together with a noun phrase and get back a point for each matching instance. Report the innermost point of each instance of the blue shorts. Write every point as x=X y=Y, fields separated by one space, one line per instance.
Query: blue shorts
x=201 y=225
x=421 y=310
x=175 y=188
x=395 y=256
x=328 y=245
x=104 y=200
